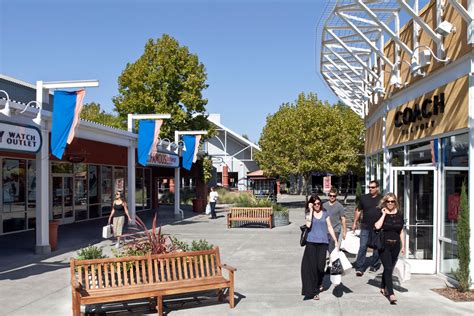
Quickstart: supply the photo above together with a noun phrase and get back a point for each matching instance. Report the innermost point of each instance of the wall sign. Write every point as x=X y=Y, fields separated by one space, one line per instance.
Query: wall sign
x=19 y=138
x=159 y=159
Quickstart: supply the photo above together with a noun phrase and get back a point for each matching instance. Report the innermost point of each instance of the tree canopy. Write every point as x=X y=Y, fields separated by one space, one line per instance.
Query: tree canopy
x=93 y=112
x=308 y=136
x=166 y=78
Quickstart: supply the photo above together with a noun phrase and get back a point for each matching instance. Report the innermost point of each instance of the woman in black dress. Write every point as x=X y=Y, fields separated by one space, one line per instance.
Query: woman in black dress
x=391 y=222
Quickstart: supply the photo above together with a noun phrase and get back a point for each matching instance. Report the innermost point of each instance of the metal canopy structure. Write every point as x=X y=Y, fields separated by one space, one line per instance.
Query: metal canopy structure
x=352 y=35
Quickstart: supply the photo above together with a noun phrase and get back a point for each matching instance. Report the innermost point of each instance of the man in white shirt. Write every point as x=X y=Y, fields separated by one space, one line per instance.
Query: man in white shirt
x=213 y=196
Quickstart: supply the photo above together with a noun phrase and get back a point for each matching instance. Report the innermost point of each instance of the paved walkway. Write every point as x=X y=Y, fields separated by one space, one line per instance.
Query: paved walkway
x=267 y=281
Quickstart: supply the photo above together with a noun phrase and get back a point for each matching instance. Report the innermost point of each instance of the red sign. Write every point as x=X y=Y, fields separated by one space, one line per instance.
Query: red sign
x=454 y=201
x=326 y=184
x=163 y=160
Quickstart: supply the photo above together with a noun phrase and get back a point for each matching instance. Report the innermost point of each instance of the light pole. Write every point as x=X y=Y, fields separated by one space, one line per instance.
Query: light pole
x=42 y=159
x=131 y=158
x=177 y=177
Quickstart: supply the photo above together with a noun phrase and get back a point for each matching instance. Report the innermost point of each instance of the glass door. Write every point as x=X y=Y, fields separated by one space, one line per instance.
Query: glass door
x=62 y=199
x=416 y=188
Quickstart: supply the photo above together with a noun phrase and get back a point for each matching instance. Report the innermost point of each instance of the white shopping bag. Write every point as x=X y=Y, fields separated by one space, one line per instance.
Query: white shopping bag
x=208 y=209
x=402 y=270
x=107 y=231
x=346 y=264
x=352 y=242
x=335 y=279
x=334 y=255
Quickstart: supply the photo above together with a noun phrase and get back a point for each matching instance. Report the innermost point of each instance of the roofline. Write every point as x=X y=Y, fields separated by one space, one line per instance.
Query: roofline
x=239 y=137
x=17 y=81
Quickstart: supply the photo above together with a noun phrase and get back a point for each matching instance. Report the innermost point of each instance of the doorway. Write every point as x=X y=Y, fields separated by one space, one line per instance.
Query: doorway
x=416 y=189
x=62 y=198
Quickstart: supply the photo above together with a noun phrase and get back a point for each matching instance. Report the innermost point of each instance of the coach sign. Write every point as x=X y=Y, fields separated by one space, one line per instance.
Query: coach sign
x=160 y=159
x=19 y=138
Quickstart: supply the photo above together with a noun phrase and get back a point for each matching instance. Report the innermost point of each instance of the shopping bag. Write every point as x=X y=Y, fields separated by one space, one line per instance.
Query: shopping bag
x=208 y=209
x=402 y=270
x=335 y=279
x=107 y=231
x=352 y=243
x=346 y=264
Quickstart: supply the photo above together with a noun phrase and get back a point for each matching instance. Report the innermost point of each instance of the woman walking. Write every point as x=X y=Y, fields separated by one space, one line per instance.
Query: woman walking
x=119 y=210
x=391 y=222
x=314 y=258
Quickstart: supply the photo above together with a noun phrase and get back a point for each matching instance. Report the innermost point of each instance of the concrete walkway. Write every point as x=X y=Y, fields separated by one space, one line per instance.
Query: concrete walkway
x=267 y=281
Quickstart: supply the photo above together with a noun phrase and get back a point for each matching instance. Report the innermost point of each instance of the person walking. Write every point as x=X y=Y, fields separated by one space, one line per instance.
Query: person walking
x=368 y=206
x=337 y=213
x=119 y=210
x=314 y=257
x=309 y=204
x=213 y=196
x=391 y=222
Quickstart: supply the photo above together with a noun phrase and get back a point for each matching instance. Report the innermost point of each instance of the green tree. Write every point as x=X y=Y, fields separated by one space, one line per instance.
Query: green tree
x=463 y=231
x=167 y=78
x=93 y=112
x=304 y=137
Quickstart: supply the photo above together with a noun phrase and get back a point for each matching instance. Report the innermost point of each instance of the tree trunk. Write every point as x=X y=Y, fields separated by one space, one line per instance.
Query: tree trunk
x=306 y=178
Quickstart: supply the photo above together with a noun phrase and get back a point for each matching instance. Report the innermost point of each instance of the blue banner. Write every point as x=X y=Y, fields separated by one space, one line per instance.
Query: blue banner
x=64 y=109
x=146 y=134
x=188 y=154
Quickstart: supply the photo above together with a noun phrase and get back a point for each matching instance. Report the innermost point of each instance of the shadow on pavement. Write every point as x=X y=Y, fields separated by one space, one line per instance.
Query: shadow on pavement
x=31 y=270
x=377 y=283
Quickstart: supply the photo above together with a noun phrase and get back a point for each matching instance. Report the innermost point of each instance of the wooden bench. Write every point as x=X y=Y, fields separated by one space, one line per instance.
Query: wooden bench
x=246 y=215
x=147 y=277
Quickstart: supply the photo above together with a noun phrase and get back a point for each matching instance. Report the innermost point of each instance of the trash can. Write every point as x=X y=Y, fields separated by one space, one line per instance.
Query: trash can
x=53 y=234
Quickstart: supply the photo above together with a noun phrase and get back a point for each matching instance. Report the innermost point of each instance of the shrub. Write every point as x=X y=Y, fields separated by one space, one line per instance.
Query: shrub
x=462 y=273
x=201 y=244
x=90 y=253
x=280 y=209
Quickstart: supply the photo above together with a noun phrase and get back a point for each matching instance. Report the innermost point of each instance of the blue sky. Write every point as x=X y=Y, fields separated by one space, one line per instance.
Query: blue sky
x=258 y=54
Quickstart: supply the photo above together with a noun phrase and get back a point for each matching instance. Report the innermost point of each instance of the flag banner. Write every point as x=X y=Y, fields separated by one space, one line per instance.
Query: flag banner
x=66 y=111
x=188 y=154
x=148 y=134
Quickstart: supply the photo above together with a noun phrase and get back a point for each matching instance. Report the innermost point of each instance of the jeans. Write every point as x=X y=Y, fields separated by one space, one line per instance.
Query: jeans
x=213 y=209
x=362 y=263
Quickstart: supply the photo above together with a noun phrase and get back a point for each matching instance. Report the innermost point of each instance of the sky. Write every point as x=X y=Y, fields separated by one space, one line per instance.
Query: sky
x=258 y=54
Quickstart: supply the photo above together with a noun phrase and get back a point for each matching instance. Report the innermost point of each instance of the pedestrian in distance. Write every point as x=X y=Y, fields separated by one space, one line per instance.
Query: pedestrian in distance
x=314 y=257
x=368 y=208
x=213 y=197
x=117 y=216
x=391 y=222
x=337 y=213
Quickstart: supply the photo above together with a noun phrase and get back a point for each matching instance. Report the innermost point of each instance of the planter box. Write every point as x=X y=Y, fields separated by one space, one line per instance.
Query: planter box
x=281 y=219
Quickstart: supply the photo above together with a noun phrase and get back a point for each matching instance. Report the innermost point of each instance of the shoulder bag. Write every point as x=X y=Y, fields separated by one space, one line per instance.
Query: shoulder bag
x=304 y=232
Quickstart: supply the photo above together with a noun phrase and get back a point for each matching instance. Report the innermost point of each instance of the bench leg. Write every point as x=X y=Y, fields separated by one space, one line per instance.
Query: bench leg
x=228 y=220
x=76 y=306
x=159 y=305
x=231 y=296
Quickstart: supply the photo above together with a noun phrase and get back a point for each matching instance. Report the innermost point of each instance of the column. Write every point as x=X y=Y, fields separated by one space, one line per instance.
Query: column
x=386 y=155
x=177 y=186
x=131 y=181
x=225 y=176
x=471 y=169
x=42 y=180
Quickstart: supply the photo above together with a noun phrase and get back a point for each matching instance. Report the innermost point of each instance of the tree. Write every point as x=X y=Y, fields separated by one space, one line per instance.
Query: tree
x=167 y=78
x=93 y=112
x=463 y=230
x=305 y=137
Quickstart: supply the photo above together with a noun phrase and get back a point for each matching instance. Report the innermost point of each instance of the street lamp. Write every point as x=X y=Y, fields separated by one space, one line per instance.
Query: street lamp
x=6 y=110
x=177 y=177
x=131 y=157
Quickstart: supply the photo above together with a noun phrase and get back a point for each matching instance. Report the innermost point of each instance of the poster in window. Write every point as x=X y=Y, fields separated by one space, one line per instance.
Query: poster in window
x=92 y=180
x=454 y=201
x=11 y=186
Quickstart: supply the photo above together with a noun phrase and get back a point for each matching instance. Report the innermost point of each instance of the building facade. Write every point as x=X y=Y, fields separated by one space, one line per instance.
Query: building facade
x=413 y=85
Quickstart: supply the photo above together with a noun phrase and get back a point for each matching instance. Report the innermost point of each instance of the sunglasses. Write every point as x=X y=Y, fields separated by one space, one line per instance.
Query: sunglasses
x=372 y=187
x=391 y=201
x=117 y=193
x=317 y=203
x=332 y=195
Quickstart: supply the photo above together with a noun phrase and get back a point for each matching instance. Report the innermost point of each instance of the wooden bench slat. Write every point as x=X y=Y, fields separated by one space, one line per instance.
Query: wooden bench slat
x=155 y=264
x=86 y=275
x=144 y=278
x=106 y=274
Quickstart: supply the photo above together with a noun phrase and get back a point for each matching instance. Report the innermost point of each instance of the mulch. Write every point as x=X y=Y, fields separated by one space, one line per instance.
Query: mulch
x=454 y=295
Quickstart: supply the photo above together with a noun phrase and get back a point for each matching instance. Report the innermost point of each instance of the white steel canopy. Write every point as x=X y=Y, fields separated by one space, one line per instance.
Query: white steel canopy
x=351 y=38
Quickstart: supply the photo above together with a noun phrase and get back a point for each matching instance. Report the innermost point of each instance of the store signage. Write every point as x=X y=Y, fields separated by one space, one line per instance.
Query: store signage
x=19 y=138
x=326 y=184
x=420 y=117
x=160 y=159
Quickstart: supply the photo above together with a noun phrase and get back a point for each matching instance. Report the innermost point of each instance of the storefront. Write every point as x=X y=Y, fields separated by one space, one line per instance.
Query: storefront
x=415 y=93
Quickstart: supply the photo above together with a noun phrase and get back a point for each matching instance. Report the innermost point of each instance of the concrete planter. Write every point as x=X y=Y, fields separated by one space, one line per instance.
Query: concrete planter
x=281 y=219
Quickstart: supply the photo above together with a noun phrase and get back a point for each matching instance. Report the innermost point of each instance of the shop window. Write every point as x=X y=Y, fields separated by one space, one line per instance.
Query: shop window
x=397 y=157
x=94 y=211
x=14 y=195
x=449 y=258
x=453 y=181
x=422 y=153
x=119 y=180
x=219 y=178
x=106 y=190
x=139 y=187
x=80 y=191
x=61 y=167
x=455 y=150
x=147 y=189
x=31 y=183
x=233 y=179
x=93 y=184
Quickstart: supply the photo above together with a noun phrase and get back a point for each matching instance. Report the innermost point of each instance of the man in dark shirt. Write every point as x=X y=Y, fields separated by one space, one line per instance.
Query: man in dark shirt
x=368 y=205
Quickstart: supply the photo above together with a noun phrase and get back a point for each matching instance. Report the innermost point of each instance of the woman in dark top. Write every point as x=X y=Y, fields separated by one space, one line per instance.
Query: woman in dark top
x=314 y=258
x=391 y=222
x=119 y=210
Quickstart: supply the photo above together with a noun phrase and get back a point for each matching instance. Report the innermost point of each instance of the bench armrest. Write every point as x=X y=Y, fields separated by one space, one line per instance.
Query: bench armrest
x=227 y=267
x=76 y=285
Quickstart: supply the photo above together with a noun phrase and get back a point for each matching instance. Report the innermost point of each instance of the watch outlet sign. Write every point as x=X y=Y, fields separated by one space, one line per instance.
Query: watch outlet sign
x=19 y=138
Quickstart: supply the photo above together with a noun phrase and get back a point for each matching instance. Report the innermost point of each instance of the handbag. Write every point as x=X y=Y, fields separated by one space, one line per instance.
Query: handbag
x=304 y=235
x=107 y=231
x=375 y=240
x=208 y=209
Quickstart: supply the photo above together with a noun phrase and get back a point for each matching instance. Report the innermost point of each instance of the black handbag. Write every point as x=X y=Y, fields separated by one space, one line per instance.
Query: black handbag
x=336 y=267
x=304 y=235
x=375 y=240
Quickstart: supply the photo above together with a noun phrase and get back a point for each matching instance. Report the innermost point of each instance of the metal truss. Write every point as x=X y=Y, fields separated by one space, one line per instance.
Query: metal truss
x=352 y=34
